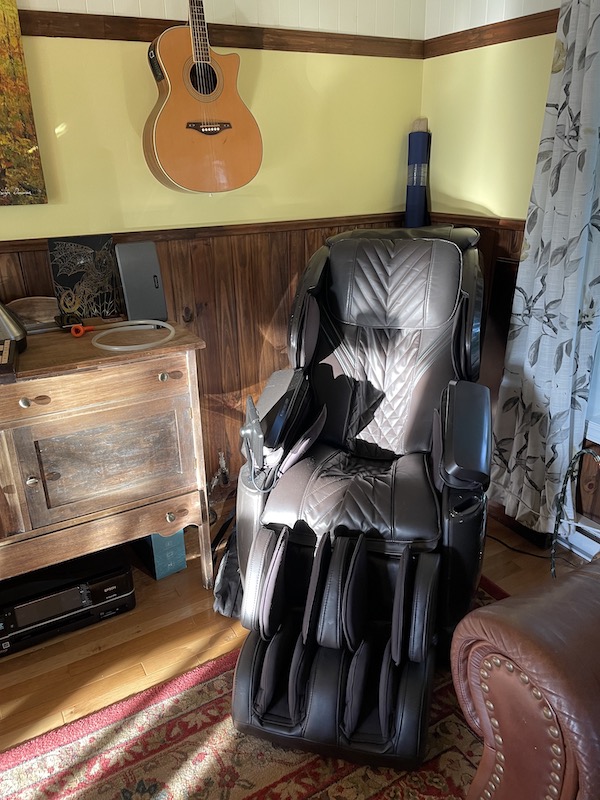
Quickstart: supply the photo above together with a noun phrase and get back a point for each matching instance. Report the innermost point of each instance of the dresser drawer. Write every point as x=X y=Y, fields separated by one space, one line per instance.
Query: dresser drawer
x=165 y=517
x=160 y=377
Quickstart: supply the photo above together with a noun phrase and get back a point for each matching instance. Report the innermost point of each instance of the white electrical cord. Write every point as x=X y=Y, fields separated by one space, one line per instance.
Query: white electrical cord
x=134 y=325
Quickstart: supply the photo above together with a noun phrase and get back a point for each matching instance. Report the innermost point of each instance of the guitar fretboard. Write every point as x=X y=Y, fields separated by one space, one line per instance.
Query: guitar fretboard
x=199 y=31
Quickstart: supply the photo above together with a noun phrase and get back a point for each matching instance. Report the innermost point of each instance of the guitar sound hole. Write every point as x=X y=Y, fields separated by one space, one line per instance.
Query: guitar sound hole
x=203 y=78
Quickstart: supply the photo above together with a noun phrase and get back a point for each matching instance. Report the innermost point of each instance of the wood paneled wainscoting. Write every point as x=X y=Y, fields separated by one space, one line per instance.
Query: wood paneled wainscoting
x=233 y=286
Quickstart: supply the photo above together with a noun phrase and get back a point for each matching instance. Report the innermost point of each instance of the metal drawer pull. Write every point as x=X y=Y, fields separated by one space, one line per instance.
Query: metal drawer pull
x=40 y=400
x=32 y=481
x=170 y=516
x=175 y=375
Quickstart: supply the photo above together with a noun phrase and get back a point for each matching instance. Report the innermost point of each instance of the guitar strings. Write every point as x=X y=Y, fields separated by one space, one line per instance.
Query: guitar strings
x=195 y=20
x=201 y=54
x=207 y=71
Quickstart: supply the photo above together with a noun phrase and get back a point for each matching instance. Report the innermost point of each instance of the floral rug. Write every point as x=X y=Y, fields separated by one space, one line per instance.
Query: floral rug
x=176 y=742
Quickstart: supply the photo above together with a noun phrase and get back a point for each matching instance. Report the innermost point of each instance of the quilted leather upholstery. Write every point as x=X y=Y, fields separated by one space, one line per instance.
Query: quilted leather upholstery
x=385 y=353
x=332 y=488
x=390 y=283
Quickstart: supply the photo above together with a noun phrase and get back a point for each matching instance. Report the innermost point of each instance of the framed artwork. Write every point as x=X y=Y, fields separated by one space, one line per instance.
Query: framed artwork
x=85 y=275
x=21 y=177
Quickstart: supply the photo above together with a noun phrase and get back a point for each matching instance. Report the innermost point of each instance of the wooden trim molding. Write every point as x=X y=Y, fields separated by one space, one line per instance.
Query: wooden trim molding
x=509 y=31
x=475 y=220
x=383 y=220
x=302 y=41
x=135 y=29
x=105 y=26
x=91 y=26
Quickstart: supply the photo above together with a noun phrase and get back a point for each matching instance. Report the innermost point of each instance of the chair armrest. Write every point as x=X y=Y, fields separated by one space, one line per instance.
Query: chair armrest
x=527 y=676
x=466 y=434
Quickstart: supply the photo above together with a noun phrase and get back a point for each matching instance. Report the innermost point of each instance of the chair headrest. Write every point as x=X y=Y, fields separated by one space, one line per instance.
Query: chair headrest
x=464 y=237
x=394 y=283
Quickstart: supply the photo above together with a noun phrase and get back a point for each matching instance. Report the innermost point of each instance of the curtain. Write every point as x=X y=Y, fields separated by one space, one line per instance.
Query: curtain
x=541 y=411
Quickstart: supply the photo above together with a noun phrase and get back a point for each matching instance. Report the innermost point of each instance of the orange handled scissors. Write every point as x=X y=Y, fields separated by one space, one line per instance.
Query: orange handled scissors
x=79 y=330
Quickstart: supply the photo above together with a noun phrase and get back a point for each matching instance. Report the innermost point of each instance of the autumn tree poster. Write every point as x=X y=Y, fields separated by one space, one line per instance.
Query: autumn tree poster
x=21 y=177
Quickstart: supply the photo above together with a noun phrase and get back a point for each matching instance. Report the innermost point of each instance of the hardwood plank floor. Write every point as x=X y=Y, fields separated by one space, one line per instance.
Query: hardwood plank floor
x=172 y=629
x=516 y=565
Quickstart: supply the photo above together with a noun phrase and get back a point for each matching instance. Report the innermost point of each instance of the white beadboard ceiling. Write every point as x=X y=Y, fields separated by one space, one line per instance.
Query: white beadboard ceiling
x=403 y=19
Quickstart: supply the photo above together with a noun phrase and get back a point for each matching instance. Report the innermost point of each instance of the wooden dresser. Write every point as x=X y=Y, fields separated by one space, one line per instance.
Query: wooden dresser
x=98 y=448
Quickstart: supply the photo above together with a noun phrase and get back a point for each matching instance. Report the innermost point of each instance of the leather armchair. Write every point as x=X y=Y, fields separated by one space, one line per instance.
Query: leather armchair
x=527 y=675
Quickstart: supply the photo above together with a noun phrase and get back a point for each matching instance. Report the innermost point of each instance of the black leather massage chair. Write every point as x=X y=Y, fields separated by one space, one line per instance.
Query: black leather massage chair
x=361 y=508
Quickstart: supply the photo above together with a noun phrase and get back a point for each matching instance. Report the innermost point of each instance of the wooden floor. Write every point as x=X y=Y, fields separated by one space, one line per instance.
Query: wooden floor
x=172 y=629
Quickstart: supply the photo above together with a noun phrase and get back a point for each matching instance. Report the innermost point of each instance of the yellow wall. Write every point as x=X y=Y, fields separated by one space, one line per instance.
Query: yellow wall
x=334 y=133
x=485 y=110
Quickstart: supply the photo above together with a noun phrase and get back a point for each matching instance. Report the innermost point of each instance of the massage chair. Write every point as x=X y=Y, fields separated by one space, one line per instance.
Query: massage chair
x=361 y=506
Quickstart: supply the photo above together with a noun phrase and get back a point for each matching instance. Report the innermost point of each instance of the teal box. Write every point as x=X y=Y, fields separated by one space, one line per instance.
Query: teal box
x=163 y=555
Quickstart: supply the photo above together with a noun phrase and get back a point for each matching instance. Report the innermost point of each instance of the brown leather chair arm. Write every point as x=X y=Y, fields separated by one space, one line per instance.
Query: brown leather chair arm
x=527 y=675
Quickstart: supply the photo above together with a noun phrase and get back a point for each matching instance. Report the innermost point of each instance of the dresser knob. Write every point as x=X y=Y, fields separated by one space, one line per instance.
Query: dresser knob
x=170 y=516
x=32 y=481
x=174 y=375
x=40 y=400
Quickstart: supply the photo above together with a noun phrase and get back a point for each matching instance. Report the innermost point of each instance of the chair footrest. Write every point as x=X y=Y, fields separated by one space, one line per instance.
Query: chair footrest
x=345 y=670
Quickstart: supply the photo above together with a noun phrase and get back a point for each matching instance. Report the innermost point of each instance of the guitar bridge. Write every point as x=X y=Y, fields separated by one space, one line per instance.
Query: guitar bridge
x=209 y=128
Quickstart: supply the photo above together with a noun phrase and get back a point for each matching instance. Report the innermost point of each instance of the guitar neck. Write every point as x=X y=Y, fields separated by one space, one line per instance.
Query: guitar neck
x=199 y=31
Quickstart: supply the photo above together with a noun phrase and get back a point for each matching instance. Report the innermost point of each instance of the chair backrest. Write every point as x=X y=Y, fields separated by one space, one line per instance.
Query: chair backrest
x=389 y=316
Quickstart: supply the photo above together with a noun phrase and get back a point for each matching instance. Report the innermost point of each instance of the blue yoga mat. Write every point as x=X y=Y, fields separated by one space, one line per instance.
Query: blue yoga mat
x=417 y=212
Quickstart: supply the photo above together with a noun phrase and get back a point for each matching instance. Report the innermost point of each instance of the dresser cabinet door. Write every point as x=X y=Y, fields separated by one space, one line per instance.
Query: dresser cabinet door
x=87 y=463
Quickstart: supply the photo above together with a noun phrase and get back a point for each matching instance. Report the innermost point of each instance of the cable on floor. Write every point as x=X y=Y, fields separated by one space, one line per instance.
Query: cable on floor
x=526 y=553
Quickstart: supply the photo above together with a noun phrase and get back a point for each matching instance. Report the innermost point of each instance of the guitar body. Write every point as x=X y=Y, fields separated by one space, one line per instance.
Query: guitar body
x=200 y=136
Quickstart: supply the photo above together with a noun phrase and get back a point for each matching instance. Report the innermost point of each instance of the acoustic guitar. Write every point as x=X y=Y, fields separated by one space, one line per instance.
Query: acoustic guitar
x=200 y=136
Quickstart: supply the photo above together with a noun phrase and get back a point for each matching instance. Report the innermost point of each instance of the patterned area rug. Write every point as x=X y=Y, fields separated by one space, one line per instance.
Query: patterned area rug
x=176 y=742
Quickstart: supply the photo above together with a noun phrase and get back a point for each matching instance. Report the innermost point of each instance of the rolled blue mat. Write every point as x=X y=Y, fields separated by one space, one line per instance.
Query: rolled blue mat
x=417 y=212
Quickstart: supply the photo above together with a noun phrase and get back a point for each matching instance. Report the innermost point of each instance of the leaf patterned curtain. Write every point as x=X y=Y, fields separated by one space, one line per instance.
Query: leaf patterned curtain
x=540 y=416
